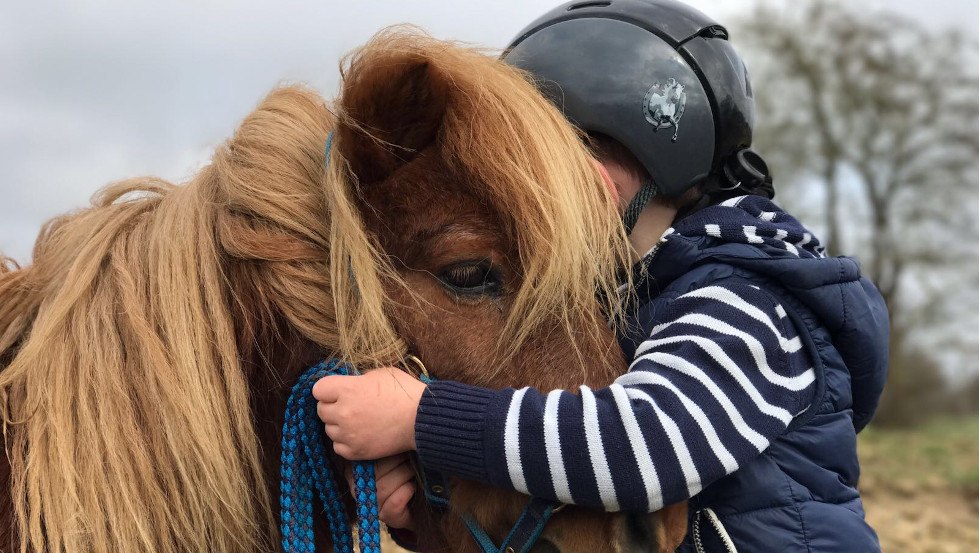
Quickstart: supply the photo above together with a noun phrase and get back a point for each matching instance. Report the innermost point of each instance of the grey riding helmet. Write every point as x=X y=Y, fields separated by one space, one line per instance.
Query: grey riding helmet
x=656 y=75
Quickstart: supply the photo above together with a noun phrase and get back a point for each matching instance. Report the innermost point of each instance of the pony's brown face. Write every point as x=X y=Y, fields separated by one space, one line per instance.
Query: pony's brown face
x=459 y=253
x=463 y=273
x=460 y=269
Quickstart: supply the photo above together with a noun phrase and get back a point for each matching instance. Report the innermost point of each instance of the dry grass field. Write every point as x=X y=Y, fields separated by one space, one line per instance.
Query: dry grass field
x=919 y=487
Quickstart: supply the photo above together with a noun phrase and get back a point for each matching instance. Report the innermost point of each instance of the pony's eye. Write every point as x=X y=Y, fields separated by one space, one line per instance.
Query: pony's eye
x=472 y=278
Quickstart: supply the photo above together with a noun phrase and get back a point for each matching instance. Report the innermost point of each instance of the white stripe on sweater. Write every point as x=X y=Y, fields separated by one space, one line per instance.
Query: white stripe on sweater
x=801 y=245
x=597 y=454
x=750 y=235
x=719 y=356
x=637 y=378
x=512 y=443
x=731 y=299
x=781 y=235
x=552 y=444
x=794 y=383
x=648 y=471
x=688 y=468
x=721 y=452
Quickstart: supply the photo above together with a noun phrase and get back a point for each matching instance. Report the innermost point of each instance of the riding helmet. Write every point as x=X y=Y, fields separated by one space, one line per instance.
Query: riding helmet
x=657 y=76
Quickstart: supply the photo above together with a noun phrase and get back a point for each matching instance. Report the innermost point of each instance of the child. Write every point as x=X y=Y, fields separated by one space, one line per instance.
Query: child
x=755 y=358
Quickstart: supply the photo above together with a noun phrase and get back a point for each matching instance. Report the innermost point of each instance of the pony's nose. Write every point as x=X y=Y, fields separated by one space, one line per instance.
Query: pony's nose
x=630 y=533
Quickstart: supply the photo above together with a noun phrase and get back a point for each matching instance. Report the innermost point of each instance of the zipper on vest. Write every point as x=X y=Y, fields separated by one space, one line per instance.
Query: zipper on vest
x=719 y=529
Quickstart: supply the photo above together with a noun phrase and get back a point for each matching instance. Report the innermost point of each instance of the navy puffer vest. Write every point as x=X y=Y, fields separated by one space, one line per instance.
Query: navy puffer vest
x=799 y=495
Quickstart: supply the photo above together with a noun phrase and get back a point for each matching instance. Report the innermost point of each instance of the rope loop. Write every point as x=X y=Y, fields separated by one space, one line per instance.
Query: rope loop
x=305 y=467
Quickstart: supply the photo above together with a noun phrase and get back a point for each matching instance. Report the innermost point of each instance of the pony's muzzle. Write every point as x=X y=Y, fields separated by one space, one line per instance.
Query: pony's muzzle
x=626 y=533
x=545 y=546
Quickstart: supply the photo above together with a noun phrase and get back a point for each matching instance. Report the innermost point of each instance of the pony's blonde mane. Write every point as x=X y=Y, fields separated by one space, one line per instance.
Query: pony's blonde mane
x=123 y=388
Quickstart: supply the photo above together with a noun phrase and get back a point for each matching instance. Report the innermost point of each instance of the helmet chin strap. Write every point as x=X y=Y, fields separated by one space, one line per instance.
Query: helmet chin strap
x=639 y=201
x=745 y=171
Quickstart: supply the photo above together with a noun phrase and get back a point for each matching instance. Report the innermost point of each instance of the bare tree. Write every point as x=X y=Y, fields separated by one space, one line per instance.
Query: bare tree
x=874 y=120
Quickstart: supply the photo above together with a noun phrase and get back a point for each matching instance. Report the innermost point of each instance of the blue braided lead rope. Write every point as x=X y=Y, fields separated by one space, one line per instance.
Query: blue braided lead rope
x=305 y=467
x=368 y=523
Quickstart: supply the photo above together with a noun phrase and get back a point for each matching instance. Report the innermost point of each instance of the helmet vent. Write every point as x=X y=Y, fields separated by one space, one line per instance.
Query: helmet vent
x=581 y=5
x=714 y=31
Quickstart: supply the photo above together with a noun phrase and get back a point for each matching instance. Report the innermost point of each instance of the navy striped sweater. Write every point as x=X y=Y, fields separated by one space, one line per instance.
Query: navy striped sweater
x=719 y=376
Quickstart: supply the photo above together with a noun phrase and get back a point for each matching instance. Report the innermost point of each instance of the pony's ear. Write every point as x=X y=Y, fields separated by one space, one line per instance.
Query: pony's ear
x=391 y=109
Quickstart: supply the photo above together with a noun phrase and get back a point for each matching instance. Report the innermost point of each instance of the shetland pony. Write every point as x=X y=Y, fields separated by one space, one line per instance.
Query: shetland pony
x=146 y=353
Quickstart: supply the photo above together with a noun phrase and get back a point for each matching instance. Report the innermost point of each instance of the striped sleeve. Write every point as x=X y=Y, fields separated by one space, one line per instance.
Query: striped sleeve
x=721 y=375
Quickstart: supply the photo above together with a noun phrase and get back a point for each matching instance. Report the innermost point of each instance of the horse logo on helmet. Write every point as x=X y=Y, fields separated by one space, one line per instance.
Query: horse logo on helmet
x=664 y=106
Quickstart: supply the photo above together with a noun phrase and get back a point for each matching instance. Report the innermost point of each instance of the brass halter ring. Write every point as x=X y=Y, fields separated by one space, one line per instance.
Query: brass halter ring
x=423 y=373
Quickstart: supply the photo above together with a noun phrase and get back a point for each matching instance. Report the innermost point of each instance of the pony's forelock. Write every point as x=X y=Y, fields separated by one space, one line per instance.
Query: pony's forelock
x=532 y=165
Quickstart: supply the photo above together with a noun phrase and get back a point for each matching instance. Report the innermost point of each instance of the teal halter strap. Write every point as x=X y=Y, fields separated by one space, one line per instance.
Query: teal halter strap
x=525 y=532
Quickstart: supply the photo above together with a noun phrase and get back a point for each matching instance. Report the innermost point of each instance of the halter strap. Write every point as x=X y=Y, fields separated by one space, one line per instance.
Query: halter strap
x=525 y=532
x=522 y=536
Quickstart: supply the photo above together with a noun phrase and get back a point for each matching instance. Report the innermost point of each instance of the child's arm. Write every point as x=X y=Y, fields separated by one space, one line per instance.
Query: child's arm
x=720 y=377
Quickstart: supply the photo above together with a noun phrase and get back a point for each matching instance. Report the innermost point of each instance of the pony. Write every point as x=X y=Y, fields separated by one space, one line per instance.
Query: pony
x=147 y=352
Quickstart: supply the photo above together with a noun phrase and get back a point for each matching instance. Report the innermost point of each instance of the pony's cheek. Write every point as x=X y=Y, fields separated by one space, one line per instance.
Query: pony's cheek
x=455 y=339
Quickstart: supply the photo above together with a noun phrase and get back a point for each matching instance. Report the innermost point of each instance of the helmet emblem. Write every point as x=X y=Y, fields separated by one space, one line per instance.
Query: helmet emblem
x=664 y=106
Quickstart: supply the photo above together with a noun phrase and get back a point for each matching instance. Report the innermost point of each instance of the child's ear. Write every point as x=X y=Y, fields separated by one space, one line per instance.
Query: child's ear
x=392 y=107
x=607 y=179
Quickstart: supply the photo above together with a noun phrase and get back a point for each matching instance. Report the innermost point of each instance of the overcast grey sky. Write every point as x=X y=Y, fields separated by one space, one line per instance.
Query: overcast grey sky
x=99 y=90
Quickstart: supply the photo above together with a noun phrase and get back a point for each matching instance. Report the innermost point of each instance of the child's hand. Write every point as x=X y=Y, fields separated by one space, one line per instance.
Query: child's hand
x=396 y=486
x=370 y=416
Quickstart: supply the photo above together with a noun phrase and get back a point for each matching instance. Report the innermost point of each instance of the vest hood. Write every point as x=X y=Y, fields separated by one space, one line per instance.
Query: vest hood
x=752 y=233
